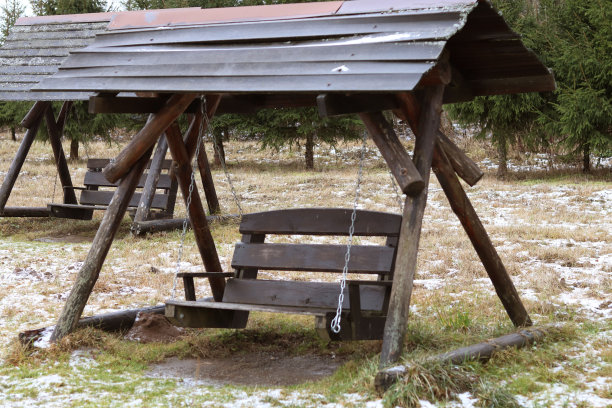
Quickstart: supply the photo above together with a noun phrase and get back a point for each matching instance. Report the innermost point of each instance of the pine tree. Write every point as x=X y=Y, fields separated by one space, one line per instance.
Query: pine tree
x=575 y=39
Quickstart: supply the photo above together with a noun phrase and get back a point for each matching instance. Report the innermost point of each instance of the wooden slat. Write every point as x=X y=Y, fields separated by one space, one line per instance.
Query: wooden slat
x=252 y=69
x=96 y=178
x=297 y=83
x=91 y=197
x=282 y=53
x=297 y=294
x=320 y=221
x=249 y=307
x=312 y=257
x=423 y=26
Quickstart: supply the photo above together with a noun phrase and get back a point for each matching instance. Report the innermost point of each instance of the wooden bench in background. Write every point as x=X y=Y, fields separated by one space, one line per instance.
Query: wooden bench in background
x=366 y=301
x=97 y=193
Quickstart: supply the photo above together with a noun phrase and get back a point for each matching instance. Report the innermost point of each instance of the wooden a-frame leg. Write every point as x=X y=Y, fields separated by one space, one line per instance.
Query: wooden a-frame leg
x=148 y=192
x=88 y=275
x=191 y=141
x=408 y=245
x=55 y=129
x=35 y=118
x=464 y=210
x=201 y=229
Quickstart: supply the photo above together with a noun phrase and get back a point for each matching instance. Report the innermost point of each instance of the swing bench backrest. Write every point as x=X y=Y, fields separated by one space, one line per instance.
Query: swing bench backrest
x=253 y=254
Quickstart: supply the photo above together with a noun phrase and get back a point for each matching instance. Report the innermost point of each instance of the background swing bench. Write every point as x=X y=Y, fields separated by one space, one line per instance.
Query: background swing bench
x=93 y=198
x=365 y=304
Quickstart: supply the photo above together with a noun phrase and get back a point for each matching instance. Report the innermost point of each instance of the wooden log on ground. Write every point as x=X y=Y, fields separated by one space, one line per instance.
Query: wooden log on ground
x=145 y=227
x=493 y=264
x=55 y=139
x=410 y=233
x=25 y=212
x=20 y=156
x=204 y=239
x=88 y=275
x=35 y=112
x=148 y=192
x=147 y=137
x=481 y=352
x=110 y=322
x=397 y=158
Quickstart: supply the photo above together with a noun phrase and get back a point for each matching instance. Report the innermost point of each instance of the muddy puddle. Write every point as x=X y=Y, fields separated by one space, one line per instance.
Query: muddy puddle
x=255 y=369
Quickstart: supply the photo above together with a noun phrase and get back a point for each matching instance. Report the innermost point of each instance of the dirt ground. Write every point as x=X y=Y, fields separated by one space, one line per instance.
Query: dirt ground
x=254 y=369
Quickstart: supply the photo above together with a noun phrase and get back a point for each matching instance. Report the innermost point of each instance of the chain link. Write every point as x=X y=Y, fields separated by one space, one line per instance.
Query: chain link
x=335 y=323
x=191 y=187
x=224 y=167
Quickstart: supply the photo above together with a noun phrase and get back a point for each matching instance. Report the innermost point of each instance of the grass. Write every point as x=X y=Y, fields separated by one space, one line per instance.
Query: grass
x=552 y=232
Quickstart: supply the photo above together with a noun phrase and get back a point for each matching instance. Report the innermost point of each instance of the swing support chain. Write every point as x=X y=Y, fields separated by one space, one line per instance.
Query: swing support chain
x=335 y=323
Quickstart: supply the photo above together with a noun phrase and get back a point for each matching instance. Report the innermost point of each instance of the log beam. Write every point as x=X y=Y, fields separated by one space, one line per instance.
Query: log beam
x=410 y=233
x=55 y=128
x=147 y=137
x=88 y=275
x=338 y=104
x=35 y=112
x=204 y=239
x=148 y=192
x=20 y=156
x=408 y=177
x=493 y=264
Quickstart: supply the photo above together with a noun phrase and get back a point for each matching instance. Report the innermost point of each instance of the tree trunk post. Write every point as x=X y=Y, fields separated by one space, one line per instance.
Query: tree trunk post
x=586 y=158
x=55 y=138
x=74 y=150
x=148 y=192
x=309 y=151
x=502 y=157
x=88 y=275
x=13 y=134
x=220 y=149
x=408 y=244
x=20 y=156
x=493 y=264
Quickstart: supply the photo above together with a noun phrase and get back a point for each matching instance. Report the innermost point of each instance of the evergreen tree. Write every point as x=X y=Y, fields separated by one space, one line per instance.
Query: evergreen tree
x=11 y=113
x=575 y=39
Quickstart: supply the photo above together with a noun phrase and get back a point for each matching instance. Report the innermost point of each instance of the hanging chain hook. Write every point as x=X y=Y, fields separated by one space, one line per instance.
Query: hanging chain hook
x=335 y=323
x=191 y=188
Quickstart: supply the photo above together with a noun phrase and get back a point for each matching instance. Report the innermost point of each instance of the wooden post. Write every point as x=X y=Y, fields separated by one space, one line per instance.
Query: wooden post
x=147 y=137
x=88 y=275
x=493 y=264
x=148 y=192
x=397 y=158
x=204 y=239
x=408 y=244
x=20 y=156
x=191 y=142
x=35 y=112
x=55 y=138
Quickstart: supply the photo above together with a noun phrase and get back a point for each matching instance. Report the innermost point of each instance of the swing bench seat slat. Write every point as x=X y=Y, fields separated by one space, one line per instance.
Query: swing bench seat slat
x=365 y=302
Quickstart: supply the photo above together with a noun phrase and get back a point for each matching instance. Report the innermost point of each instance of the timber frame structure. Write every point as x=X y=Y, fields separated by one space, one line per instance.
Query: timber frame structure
x=354 y=57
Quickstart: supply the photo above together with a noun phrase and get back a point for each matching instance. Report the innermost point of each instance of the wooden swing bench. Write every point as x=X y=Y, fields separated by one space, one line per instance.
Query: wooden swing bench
x=365 y=307
x=93 y=198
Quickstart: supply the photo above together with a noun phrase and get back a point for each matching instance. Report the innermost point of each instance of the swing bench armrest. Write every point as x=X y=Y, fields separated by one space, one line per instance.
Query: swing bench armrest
x=74 y=188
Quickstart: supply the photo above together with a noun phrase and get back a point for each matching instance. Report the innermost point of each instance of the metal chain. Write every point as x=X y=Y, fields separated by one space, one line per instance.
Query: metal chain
x=335 y=323
x=191 y=187
x=224 y=167
x=395 y=188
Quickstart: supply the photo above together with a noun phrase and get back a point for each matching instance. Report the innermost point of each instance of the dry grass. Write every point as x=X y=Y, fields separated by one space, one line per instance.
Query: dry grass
x=553 y=235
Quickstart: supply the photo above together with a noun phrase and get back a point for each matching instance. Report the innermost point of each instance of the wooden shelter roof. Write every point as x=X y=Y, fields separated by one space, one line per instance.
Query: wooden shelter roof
x=310 y=48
